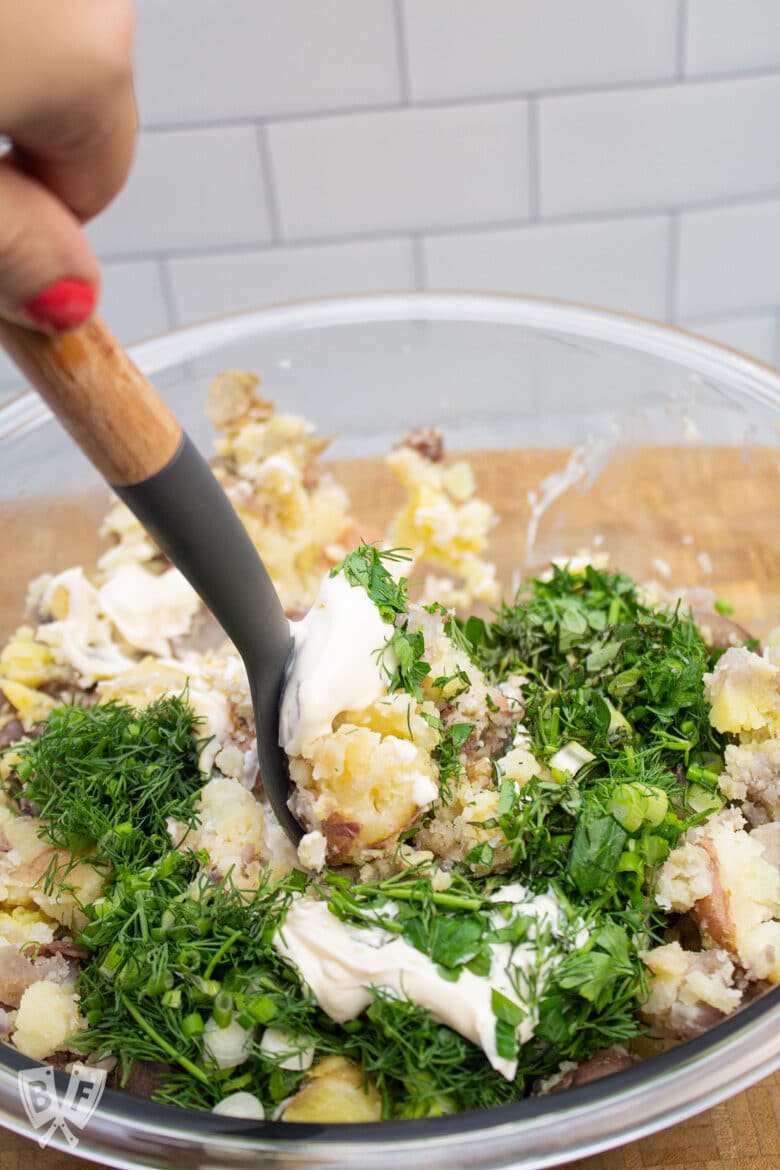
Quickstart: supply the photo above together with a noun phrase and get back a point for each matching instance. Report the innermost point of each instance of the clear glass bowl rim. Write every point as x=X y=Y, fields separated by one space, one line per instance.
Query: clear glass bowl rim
x=530 y=1133
x=744 y=375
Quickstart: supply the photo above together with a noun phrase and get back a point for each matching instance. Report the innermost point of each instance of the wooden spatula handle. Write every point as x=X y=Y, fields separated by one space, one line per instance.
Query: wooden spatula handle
x=100 y=396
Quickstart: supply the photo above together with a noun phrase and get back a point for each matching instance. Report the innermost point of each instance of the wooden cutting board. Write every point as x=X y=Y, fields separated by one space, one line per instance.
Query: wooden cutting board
x=680 y=514
x=685 y=514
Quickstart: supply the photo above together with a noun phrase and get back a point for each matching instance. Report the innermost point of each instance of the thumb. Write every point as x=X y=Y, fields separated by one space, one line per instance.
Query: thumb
x=49 y=277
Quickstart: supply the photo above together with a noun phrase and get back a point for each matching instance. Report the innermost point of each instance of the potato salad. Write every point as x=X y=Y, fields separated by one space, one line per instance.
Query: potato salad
x=541 y=832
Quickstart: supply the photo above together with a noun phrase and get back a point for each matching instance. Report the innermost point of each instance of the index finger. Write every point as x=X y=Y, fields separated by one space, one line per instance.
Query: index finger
x=66 y=98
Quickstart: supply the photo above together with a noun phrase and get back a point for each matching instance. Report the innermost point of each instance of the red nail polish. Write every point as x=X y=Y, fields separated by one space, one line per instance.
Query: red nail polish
x=63 y=305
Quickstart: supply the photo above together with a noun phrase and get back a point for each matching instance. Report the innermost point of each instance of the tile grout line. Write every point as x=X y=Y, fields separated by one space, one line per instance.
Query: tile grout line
x=419 y=265
x=682 y=39
x=402 y=54
x=445 y=103
x=269 y=184
x=673 y=267
x=472 y=227
x=534 y=176
x=168 y=293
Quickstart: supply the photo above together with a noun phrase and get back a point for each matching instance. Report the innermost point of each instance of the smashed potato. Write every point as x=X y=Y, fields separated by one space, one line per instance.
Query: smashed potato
x=335 y=1090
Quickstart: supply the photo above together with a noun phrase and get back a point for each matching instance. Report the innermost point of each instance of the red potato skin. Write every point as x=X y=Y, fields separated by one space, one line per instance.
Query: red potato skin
x=339 y=834
x=426 y=441
x=721 y=632
x=712 y=914
x=601 y=1064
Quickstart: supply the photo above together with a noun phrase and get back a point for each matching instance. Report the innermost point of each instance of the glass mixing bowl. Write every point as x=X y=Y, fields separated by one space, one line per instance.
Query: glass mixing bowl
x=591 y=430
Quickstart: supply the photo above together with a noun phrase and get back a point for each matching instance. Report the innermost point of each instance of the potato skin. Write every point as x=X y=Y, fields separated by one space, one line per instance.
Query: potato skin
x=712 y=914
x=719 y=632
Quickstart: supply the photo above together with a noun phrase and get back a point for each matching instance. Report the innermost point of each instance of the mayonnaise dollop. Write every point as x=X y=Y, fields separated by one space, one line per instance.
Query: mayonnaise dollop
x=133 y=608
x=335 y=663
x=341 y=964
x=147 y=609
x=79 y=634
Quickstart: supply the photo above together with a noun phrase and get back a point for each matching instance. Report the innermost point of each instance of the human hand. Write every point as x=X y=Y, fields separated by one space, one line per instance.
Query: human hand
x=67 y=105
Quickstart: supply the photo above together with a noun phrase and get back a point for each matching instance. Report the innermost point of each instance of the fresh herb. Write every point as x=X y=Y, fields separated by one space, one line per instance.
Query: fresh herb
x=107 y=778
x=625 y=681
x=365 y=566
x=590 y=647
x=595 y=851
x=402 y=653
x=447 y=755
x=406 y=648
x=588 y=998
x=171 y=949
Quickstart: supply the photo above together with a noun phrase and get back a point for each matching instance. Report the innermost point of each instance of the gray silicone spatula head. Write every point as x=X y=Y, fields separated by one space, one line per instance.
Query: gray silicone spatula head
x=127 y=431
x=189 y=516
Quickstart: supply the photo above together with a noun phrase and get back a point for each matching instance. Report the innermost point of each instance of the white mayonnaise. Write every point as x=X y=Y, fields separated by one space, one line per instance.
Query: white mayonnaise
x=335 y=663
x=80 y=635
x=149 y=609
x=135 y=607
x=341 y=963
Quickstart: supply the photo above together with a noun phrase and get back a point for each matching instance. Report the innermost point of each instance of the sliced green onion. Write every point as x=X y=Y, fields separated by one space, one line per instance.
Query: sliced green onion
x=635 y=805
x=656 y=849
x=223 y=1009
x=630 y=863
x=192 y=1025
x=262 y=1009
x=112 y=961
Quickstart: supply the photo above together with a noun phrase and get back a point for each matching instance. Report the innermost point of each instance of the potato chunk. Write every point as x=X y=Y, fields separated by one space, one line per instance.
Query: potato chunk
x=48 y=1015
x=362 y=788
x=722 y=876
x=744 y=691
x=334 y=1091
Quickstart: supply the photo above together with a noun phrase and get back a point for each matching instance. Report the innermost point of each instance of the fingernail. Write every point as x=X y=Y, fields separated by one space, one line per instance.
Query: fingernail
x=63 y=305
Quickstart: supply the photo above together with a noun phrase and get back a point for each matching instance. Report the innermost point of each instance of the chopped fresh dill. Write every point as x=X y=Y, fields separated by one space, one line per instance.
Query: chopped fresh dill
x=108 y=777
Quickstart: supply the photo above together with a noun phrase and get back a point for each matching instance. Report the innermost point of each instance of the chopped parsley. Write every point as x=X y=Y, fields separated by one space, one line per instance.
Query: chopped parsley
x=402 y=653
x=365 y=566
x=625 y=681
x=447 y=757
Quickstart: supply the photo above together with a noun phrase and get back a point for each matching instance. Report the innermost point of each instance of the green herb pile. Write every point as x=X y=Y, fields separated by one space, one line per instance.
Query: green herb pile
x=170 y=948
x=624 y=681
x=108 y=777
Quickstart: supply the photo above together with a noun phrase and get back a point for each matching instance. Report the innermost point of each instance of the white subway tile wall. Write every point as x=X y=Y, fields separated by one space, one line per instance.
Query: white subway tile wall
x=618 y=264
x=203 y=285
x=661 y=145
x=203 y=60
x=723 y=36
x=201 y=188
x=458 y=48
x=401 y=170
x=133 y=293
x=620 y=152
x=730 y=257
